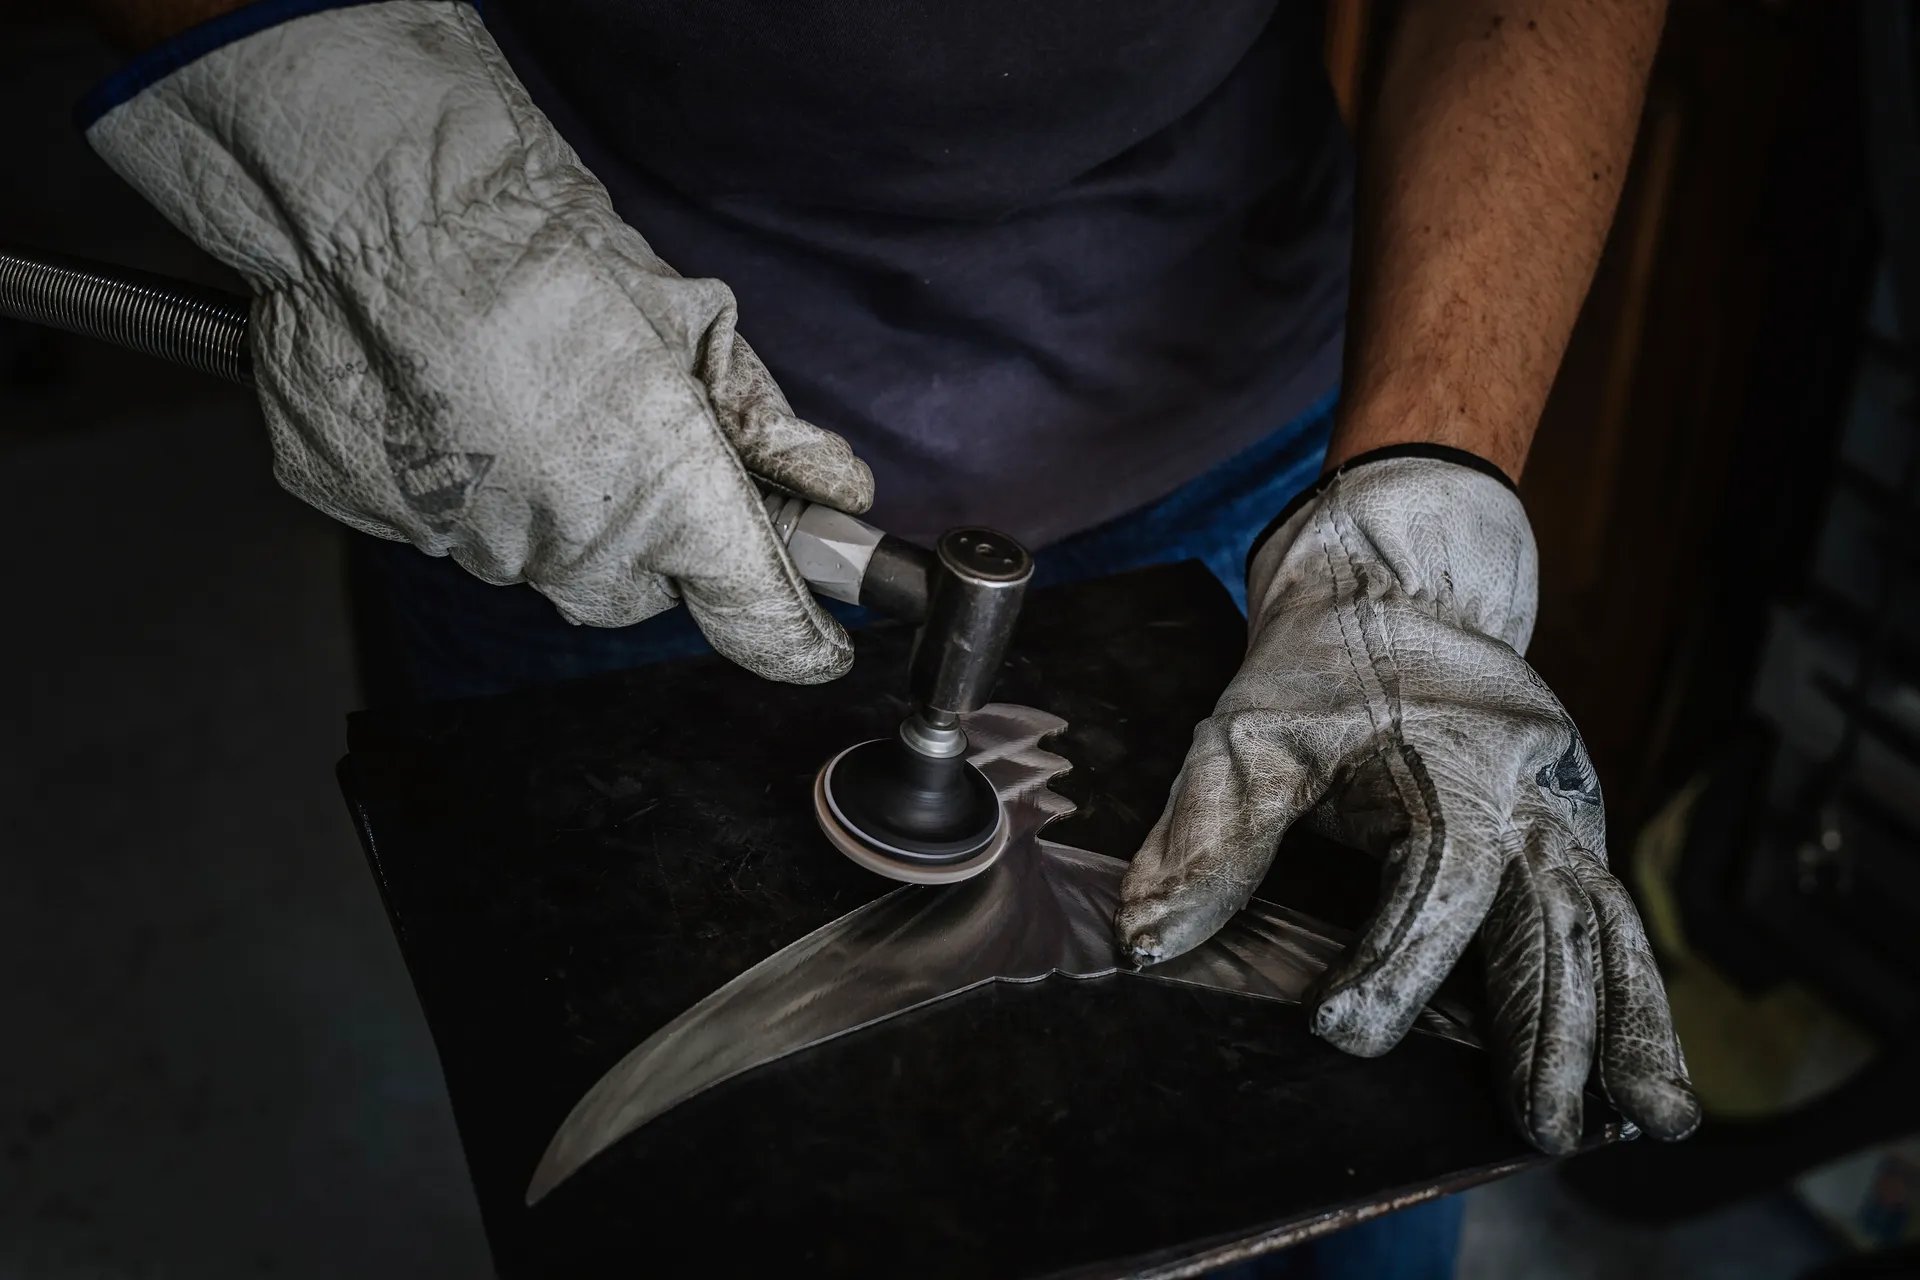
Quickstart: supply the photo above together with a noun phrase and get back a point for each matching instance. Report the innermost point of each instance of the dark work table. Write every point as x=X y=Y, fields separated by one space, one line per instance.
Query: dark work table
x=569 y=868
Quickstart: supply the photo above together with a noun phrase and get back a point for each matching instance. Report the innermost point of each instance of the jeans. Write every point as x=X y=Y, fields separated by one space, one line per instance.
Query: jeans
x=428 y=630
x=1414 y=1244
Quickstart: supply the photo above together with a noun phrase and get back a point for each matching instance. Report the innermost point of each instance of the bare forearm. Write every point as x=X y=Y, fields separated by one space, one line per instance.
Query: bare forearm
x=1494 y=161
x=138 y=24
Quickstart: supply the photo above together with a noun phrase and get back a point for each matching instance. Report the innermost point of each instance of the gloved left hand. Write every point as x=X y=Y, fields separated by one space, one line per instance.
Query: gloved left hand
x=1384 y=701
x=459 y=343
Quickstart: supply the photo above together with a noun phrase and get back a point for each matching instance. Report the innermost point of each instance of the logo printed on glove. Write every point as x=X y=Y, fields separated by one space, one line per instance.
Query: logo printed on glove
x=437 y=484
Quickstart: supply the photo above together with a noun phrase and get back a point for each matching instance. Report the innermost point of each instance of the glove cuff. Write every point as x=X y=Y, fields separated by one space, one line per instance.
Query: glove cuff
x=153 y=65
x=1416 y=449
x=1451 y=540
x=298 y=141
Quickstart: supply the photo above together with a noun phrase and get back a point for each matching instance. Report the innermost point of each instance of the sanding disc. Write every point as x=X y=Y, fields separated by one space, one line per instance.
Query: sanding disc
x=894 y=867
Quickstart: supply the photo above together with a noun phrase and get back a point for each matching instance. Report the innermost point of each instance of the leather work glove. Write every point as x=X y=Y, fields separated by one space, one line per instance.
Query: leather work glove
x=1383 y=700
x=458 y=343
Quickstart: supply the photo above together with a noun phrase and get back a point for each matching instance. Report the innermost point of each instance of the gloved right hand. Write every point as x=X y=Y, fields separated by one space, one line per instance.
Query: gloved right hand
x=458 y=342
x=1384 y=702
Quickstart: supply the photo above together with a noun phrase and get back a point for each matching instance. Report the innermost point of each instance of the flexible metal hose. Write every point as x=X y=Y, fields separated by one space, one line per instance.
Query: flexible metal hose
x=203 y=328
x=206 y=329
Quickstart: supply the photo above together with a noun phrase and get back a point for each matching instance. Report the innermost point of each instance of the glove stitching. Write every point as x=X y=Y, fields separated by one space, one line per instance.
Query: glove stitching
x=1552 y=964
x=1391 y=746
x=1522 y=868
x=1513 y=598
x=1602 y=969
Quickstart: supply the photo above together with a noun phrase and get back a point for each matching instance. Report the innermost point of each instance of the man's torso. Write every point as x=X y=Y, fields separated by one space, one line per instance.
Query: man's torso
x=1040 y=262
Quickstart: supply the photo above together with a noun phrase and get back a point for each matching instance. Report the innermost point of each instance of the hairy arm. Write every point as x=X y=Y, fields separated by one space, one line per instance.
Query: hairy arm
x=1493 y=163
x=140 y=24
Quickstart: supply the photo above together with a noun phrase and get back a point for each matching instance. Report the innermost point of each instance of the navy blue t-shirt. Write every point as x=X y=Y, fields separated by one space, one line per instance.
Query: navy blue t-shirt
x=1041 y=261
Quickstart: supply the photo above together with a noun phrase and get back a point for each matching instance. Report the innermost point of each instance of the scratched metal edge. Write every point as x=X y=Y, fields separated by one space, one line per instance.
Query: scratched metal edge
x=1188 y=1261
x=348 y=774
x=1185 y=1262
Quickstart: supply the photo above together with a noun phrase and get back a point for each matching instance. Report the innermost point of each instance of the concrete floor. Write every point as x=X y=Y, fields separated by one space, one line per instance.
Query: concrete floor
x=214 y=1065
x=217 y=1067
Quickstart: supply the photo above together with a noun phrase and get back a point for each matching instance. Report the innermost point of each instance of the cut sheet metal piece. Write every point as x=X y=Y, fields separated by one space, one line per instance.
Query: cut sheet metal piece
x=1043 y=909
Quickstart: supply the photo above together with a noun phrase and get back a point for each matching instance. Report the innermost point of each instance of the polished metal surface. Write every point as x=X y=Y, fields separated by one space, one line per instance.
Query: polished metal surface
x=939 y=741
x=783 y=509
x=832 y=549
x=205 y=329
x=976 y=601
x=1041 y=910
x=899 y=580
x=985 y=556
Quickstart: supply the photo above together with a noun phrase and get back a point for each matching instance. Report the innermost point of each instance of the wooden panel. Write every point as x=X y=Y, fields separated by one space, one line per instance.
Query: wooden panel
x=1663 y=379
x=1347 y=31
x=1631 y=463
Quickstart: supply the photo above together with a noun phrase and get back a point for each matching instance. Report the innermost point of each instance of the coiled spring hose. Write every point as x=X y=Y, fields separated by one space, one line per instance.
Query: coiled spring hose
x=203 y=328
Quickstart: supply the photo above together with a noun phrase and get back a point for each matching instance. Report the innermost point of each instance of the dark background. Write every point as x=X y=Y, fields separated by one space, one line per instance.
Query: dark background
x=212 y=1061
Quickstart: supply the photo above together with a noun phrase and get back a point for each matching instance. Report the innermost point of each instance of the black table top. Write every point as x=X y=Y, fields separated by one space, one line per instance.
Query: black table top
x=569 y=868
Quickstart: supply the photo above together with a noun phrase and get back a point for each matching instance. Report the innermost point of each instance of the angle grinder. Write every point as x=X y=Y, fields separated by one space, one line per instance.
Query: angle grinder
x=910 y=807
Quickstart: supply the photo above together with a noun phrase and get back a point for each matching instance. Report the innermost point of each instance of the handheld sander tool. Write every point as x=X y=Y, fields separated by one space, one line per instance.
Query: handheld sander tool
x=910 y=807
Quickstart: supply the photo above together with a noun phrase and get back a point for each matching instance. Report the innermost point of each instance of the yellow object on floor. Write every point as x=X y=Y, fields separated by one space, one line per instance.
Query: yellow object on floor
x=1751 y=1056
